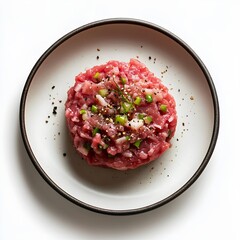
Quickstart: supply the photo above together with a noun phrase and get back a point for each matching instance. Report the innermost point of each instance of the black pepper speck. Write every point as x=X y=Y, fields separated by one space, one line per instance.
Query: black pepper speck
x=54 y=110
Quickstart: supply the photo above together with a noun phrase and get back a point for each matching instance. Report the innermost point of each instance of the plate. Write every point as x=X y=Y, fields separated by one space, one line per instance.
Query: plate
x=109 y=191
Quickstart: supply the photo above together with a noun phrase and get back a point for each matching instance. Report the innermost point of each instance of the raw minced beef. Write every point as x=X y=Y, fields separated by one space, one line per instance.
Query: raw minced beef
x=120 y=115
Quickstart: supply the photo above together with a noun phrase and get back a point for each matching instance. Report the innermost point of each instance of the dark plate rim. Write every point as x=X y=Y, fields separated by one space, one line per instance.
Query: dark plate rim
x=137 y=22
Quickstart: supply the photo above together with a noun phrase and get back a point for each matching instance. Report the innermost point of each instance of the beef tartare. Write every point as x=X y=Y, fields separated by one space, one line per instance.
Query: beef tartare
x=120 y=115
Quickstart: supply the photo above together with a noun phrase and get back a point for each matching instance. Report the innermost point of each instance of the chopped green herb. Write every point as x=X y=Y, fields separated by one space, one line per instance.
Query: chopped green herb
x=95 y=131
x=82 y=111
x=137 y=100
x=128 y=138
x=140 y=116
x=103 y=92
x=121 y=119
x=110 y=155
x=126 y=107
x=96 y=75
x=137 y=143
x=94 y=109
x=123 y=80
x=163 y=108
x=149 y=98
x=148 y=119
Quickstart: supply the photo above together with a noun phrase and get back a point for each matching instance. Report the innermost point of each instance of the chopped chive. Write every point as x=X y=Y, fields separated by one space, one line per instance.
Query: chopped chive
x=140 y=116
x=128 y=138
x=149 y=98
x=103 y=92
x=137 y=143
x=95 y=131
x=137 y=100
x=82 y=111
x=123 y=80
x=110 y=155
x=126 y=107
x=121 y=119
x=96 y=75
x=163 y=108
x=148 y=119
x=94 y=109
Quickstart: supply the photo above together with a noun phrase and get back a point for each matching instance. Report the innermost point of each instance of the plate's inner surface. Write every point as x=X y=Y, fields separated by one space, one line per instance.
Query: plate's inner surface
x=106 y=188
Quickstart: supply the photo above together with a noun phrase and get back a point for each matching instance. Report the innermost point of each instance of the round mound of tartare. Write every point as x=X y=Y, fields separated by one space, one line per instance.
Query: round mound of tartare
x=120 y=115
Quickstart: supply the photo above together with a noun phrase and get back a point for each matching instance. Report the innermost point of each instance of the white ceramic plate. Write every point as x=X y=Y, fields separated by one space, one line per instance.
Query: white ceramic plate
x=105 y=190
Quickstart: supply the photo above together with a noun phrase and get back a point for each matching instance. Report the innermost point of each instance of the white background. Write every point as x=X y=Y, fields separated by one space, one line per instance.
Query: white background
x=30 y=209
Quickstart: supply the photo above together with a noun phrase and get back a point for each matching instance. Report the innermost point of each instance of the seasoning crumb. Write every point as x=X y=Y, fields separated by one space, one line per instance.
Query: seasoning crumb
x=141 y=46
x=58 y=133
x=178 y=90
x=183 y=124
x=149 y=57
x=98 y=49
x=46 y=121
x=54 y=110
x=191 y=98
x=64 y=154
x=97 y=57
x=60 y=101
x=53 y=87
